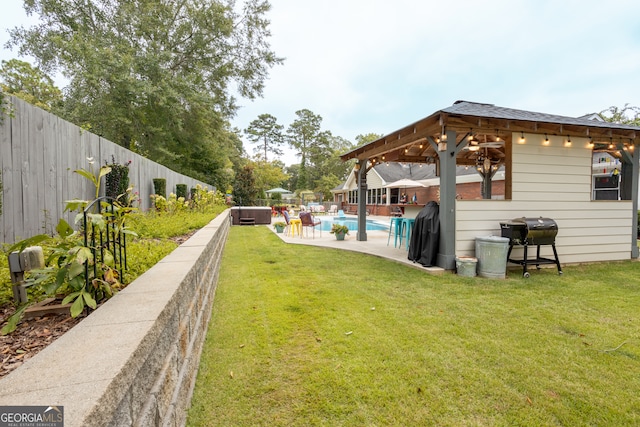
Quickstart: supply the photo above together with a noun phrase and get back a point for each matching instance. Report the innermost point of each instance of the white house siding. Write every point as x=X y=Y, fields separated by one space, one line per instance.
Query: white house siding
x=554 y=182
x=373 y=179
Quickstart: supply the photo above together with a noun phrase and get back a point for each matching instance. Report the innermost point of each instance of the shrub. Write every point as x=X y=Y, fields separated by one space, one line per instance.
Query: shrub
x=159 y=202
x=204 y=199
x=160 y=187
x=117 y=181
x=181 y=191
x=176 y=204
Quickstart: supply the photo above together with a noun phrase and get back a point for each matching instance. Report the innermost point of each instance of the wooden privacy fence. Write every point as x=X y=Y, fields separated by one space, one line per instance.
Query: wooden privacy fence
x=38 y=154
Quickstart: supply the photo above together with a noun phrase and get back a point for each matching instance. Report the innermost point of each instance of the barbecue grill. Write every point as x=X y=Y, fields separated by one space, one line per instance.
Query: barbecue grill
x=531 y=232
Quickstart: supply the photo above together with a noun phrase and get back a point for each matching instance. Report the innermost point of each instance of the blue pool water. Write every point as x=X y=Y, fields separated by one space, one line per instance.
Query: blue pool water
x=351 y=223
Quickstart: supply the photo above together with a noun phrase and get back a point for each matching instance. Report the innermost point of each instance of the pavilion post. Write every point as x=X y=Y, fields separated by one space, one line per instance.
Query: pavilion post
x=361 y=234
x=447 y=249
x=629 y=190
x=635 y=156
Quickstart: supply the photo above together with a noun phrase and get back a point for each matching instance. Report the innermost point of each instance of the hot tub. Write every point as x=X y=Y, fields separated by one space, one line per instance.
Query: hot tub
x=250 y=215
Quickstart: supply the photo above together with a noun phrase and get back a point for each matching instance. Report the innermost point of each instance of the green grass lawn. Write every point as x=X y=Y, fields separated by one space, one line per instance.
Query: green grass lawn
x=307 y=336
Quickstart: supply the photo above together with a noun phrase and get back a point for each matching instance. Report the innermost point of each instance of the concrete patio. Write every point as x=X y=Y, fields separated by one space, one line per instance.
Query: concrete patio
x=376 y=243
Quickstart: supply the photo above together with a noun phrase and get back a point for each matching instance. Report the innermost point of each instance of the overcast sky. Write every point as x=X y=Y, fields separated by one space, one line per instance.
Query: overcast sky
x=378 y=65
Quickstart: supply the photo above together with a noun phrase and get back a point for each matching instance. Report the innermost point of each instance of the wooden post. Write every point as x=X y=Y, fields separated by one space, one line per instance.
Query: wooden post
x=447 y=248
x=361 y=235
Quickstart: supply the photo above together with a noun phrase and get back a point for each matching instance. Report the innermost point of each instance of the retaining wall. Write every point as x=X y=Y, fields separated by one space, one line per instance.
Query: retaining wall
x=134 y=360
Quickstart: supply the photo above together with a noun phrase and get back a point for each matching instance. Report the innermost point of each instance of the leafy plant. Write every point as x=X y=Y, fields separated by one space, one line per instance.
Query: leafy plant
x=91 y=176
x=159 y=202
x=70 y=265
x=279 y=224
x=339 y=229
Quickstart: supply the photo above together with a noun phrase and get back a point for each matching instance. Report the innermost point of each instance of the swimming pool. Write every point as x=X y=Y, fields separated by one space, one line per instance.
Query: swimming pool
x=351 y=223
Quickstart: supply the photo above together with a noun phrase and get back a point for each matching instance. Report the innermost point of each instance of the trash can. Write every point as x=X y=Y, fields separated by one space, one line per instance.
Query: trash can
x=491 y=252
x=466 y=266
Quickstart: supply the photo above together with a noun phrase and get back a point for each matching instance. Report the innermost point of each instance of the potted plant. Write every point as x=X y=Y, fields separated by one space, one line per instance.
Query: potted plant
x=339 y=230
x=279 y=226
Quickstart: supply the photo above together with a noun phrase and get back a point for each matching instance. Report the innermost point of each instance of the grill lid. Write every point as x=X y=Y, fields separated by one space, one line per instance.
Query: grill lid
x=539 y=223
x=532 y=231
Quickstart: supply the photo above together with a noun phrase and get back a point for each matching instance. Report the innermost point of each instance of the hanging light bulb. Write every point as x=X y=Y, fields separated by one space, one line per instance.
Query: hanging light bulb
x=521 y=140
x=546 y=139
x=567 y=143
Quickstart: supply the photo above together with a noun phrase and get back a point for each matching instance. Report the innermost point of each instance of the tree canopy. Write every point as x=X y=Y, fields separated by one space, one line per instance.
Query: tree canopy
x=628 y=114
x=21 y=79
x=267 y=134
x=155 y=76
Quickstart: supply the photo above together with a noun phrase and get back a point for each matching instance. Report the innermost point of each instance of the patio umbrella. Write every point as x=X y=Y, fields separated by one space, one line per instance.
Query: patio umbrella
x=404 y=183
x=278 y=190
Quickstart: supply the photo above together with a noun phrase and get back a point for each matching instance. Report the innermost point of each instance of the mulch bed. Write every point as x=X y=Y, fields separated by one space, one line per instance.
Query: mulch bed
x=31 y=336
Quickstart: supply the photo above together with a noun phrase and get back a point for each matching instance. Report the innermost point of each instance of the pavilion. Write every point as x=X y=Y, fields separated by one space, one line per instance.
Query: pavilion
x=547 y=161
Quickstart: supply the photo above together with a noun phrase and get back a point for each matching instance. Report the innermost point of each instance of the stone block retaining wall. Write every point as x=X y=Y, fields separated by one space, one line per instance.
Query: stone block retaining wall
x=134 y=360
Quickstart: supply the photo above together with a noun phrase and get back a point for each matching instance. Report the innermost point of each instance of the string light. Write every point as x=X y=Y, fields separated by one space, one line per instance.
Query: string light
x=546 y=139
x=522 y=140
x=568 y=141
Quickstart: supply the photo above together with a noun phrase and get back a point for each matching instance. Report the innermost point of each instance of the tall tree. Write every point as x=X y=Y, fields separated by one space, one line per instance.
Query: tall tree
x=153 y=75
x=267 y=134
x=21 y=79
x=304 y=135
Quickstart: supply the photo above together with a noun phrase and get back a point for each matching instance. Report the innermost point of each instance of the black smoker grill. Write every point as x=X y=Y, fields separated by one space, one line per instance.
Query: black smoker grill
x=531 y=231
